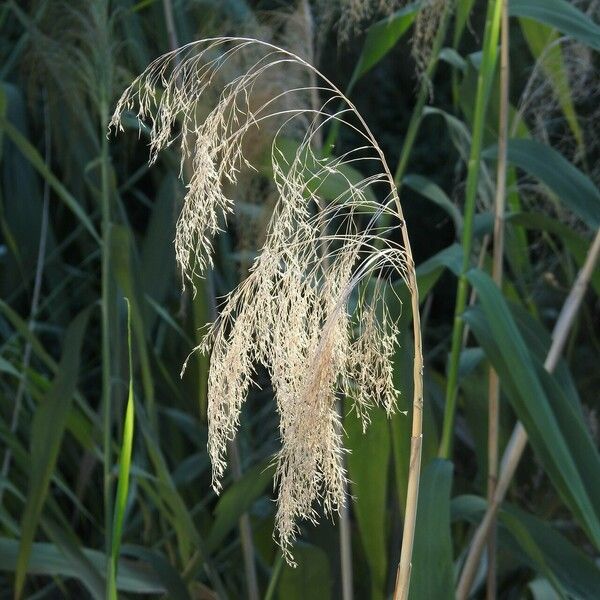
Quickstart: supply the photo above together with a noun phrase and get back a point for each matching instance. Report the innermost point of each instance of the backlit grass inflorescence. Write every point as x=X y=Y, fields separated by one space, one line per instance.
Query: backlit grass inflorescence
x=312 y=308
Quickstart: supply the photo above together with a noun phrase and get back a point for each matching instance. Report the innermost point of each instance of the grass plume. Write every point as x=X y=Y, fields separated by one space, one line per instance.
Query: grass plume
x=302 y=311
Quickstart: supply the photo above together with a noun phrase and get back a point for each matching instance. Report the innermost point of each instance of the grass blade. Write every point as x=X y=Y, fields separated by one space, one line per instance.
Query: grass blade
x=124 y=472
x=433 y=575
x=369 y=488
x=34 y=157
x=543 y=43
x=47 y=429
x=310 y=579
x=570 y=569
x=557 y=433
x=573 y=187
x=561 y=15
x=47 y=559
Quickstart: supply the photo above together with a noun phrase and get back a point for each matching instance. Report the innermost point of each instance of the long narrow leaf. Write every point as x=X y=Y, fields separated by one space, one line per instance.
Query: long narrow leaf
x=47 y=559
x=432 y=574
x=124 y=470
x=47 y=431
x=561 y=15
x=573 y=187
x=368 y=462
x=557 y=434
x=38 y=163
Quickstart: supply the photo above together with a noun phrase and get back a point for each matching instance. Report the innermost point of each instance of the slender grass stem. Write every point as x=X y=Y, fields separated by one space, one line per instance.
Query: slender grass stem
x=497 y=273
x=484 y=82
x=416 y=444
x=345 y=536
x=518 y=441
x=275 y=573
x=106 y=338
x=245 y=529
x=346 y=551
x=124 y=474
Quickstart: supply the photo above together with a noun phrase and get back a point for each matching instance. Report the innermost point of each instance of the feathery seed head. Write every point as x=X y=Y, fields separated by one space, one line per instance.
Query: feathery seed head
x=302 y=311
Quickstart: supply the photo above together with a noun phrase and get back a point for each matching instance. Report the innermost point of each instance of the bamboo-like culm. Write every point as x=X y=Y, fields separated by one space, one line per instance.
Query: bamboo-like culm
x=484 y=82
x=497 y=272
x=518 y=441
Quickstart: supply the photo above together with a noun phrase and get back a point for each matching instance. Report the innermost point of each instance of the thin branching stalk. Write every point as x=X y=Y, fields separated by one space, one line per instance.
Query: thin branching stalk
x=497 y=273
x=293 y=313
x=246 y=540
x=484 y=80
x=518 y=441
x=345 y=538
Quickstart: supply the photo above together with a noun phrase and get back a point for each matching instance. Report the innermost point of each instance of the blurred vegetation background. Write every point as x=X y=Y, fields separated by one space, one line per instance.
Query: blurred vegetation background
x=86 y=222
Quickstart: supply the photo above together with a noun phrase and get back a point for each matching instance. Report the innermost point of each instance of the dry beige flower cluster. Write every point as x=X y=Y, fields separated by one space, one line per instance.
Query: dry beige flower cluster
x=312 y=307
x=352 y=16
x=426 y=27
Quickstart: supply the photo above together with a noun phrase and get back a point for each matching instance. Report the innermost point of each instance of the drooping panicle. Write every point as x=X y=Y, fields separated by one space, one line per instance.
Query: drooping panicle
x=311 y=309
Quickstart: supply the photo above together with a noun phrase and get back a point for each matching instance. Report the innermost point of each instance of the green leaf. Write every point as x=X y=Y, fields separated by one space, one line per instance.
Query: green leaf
x=124 y=469
x=542 y=548
x=462 y=141
x=126 y=273
x=237 y=499
x=381 y=38
x=542 y=41
x=452 y=57
x=541 y=589
x=436 y=194
x=21 y=199
x=47 y=430
x=310 y=579
x=174 y=585
x=577 y=245
x=555 y=429
x=47 y=559
x=573 y=187
x=463 y=10
x=538 y=342
x=432 y=573
x=7 y=367
x=23 y=329
x=330 y=184
x=368 y=462
x=561 y=15
x=177 y=513
x=40 y=166
x=157 y=259
x=70 y=546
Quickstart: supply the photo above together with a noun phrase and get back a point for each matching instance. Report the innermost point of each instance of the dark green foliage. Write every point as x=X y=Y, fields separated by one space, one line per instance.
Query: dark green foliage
x=109 y=234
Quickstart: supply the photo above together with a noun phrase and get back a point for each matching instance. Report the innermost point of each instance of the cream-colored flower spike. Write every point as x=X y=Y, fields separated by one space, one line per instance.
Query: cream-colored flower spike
x=312 y=307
